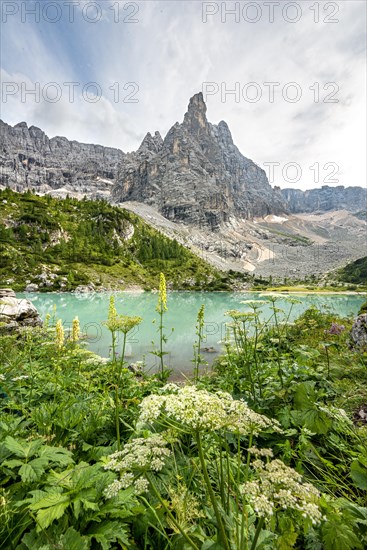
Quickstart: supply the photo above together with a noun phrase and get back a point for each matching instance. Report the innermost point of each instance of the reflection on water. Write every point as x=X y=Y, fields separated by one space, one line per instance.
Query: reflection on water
x=181 y=316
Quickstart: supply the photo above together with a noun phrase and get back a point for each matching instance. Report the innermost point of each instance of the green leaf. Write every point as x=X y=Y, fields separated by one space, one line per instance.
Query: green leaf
x=49 y=506
x=16 y=447
x=13 y=463
x=58 y=455
x=314 y=420
x=33 y=470
x=107 y=532
x=358 y=473
x=288 y=537
x=47 y=515
x=337 y=535
x=304 y=396
x=72 y=540
x=42 y=499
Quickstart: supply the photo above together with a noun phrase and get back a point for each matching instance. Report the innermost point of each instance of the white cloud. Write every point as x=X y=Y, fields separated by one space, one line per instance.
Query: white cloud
x=170 y=53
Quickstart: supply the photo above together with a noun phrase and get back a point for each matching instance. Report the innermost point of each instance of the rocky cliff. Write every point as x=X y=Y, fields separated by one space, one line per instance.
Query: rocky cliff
x=196 y=175
x=30 y=160
x=324 y=199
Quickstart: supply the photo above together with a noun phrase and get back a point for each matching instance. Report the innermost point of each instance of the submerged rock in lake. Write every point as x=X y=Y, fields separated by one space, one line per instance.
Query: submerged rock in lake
x=359 y=332
x=16 y=313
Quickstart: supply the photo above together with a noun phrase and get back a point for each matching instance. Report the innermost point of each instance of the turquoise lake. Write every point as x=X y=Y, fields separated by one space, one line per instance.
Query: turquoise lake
x=181 y=316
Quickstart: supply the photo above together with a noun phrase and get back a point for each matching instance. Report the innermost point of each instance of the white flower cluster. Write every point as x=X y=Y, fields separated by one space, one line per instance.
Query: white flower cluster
x=2 y=377
x=278 y=486
x=199 y=409
x=127 y=480
x=260 y=452
x=141 y=454
x=21 y=377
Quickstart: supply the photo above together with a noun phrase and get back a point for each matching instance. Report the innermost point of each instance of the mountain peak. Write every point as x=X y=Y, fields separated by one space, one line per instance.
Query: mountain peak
x=195 y=118
x=21 y=125
x=197 y=103
x=151 y=143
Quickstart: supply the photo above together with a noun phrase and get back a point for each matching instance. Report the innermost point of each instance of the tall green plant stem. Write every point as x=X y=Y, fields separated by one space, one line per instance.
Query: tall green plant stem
x=161 y=354
x=117 y=392
x=278 y=355
x=257 y=533
x=113 y=333
x=222 y=532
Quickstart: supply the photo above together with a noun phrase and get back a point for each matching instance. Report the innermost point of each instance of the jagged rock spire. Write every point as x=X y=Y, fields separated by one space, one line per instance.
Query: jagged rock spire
x=195 y=119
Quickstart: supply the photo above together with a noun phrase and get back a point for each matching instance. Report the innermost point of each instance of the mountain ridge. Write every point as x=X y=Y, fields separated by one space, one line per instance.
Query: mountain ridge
x=195 y=175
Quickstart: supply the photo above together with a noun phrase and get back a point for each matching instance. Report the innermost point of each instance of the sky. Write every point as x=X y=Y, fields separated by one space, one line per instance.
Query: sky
x=289 y=78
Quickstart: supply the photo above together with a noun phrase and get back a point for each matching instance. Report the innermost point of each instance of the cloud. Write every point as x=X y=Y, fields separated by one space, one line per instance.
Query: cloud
x=167 y=56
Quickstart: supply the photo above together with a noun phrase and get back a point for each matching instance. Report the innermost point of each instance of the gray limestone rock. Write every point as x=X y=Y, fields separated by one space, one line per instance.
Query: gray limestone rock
x=359 y=332
x=196 y=175
x=353 y=199
x=30 y=160
x=16 y=312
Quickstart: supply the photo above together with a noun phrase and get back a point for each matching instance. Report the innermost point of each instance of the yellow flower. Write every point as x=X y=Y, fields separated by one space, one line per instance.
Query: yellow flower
x=47 y=319
x=75 y=330
x=112 y=322
x=120 y=323
x=162 y=295
x=60 y=336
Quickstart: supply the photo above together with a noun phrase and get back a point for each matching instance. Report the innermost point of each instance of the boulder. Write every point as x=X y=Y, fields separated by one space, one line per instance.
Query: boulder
x=84 y=289
x=358 y=333
x=15 y=313
x=7 y=293
x=32 y=287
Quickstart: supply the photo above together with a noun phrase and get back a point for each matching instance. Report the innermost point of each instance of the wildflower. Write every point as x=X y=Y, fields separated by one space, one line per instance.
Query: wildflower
x=47 y=319
x=60 y=336
x=123 y=483
x=2 y=377
x=276 y=486
x=260 y=452
x=127 y=323
x=335 y=329
x=120 y=323
x=185 y=505
x=21 y=377
x=162 y=295
x=75 y=330
x=200 y=318
x=240 y=315
x=142 y=455
x=112 y=320
x=141 y=485
x=199 y=409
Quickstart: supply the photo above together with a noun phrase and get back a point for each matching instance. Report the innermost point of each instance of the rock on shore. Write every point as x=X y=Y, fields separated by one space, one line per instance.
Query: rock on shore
x=15 y=312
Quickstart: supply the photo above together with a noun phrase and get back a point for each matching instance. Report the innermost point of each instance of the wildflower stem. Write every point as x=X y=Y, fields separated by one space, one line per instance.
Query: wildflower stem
x=222 y=533
x=113 y=333
x=170 y=515
x=248 y=456
x=117 y=402
x=327 y=361
x=161 y=343
x=257 y=533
